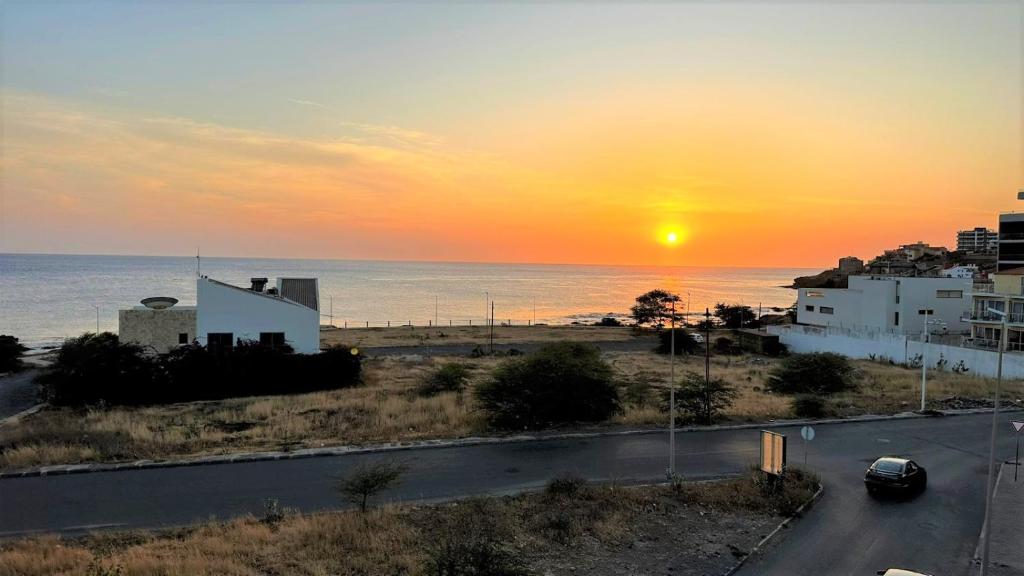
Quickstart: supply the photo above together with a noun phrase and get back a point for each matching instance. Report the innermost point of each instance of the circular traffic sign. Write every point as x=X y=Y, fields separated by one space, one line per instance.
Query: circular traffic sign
x=807 y=433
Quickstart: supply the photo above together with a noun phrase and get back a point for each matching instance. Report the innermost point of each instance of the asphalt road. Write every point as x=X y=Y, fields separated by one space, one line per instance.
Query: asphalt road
x=845 y=533
x=18 y=392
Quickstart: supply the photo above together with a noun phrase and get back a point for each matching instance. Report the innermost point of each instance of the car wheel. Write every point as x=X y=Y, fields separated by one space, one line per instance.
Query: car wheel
x=872 y=490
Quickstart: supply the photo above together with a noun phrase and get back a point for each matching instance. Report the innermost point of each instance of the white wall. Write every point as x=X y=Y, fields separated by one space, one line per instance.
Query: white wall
x=896 y=347
x=871 y=304
x=245 y=314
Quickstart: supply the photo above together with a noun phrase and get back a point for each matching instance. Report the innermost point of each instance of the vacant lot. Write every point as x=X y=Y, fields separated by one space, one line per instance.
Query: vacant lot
x=387 y=409
x=424 y=336
x=689 y=529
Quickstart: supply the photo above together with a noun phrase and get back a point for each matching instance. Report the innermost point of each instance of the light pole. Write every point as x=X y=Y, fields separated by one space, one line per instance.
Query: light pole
x=97 y=318
x=487 y=306
x=707 y=362
x=990 y=487
x=672 y=395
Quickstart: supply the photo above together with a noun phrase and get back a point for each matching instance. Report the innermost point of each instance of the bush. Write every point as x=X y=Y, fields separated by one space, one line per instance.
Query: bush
x=685 y=343
x=557 y=384
x=814 y=373
x=608 y=321
x=726 y=346
x=637 y=393
x=449 y=377
x=565 y=486
x=367 y=481
x=692 y=395
x=809 y=406
x=472 y=540
x=10 y=353
x=96 y=368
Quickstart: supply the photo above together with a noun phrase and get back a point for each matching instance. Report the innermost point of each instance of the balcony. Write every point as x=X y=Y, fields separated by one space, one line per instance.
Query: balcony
x=985 y=317
x=983 y=288
x=982 y=343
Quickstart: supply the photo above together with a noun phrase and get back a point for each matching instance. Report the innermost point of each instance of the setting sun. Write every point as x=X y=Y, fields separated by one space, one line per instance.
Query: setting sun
x=671 y=237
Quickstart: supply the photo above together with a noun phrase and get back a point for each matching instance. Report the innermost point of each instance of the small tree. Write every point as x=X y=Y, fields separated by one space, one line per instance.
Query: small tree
x=685 y=342
x=654 y=307
x=693 y=393
x=734 y=317
x=450 y=377
x=98 y=367
x=10 y=353
x=557 y=384
x=815 y=373
x=473 y=539
x=368 y=480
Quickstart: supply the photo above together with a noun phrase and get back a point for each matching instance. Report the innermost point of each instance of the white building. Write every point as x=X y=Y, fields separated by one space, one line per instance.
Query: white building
x=961 y=271
x=889 y=304
x=224 y=314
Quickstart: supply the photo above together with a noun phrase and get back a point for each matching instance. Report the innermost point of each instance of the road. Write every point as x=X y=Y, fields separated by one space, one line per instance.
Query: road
x=18 y=392
x=845 y=533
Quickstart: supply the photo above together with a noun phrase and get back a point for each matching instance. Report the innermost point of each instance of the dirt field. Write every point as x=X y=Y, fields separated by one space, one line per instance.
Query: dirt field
x=387 y=409
x=689 y=529
x=420 y=335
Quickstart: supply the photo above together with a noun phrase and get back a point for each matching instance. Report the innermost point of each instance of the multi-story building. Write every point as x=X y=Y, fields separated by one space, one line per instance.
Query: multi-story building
x=851 y=265
x=978 y=241
x=892 y=304
x=961 y=271
x=1010 y=253
x=989 y=304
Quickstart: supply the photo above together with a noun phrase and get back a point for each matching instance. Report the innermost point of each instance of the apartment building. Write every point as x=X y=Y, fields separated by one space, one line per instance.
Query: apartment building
x=977 y=241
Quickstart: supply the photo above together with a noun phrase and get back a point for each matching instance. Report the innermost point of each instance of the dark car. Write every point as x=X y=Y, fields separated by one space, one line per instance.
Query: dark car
x=891 y=474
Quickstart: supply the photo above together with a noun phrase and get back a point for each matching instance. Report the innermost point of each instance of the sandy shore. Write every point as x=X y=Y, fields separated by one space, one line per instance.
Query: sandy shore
x=422 y=336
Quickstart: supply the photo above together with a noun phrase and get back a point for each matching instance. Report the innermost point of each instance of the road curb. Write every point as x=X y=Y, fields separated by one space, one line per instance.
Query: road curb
x=20 y=415
x=64 y=469
x=782 y=525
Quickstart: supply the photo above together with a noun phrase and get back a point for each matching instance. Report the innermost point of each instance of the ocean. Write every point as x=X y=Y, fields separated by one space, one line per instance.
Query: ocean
x=46 y=298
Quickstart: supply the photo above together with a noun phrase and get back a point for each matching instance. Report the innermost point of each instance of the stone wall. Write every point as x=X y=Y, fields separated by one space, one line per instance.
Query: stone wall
x=156 y=330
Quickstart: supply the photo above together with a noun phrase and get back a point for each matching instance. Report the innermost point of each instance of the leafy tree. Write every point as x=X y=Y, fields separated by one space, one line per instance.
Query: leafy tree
x=654 y=307
x=450 y=377
x=368 y=480
x=733 y=316
x=685 y=342
x=559 y=383
x=819 y=373
x=692 y=397
x=10 y=353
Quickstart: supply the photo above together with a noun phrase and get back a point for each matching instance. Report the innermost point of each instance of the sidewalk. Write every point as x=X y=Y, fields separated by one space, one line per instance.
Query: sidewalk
x=1007 y=554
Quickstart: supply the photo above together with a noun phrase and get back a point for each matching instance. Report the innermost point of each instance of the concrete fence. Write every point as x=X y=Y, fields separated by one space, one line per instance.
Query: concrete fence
x=898 y=348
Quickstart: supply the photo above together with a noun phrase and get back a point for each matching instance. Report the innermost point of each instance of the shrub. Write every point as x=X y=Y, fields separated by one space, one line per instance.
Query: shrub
x=449 y=377
x=565 y=486
x=472 y=540
x=10 y=353
x=557 y=384
x=725 y=345
x=814 y=373
x=637 y=393
x=692 y=396
x=685 y=343
x=608 y=321
x=809 y=406
x=368 y=480
x=96 y=368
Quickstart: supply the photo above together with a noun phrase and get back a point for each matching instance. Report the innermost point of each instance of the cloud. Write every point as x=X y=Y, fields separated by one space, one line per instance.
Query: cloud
x=309 y=103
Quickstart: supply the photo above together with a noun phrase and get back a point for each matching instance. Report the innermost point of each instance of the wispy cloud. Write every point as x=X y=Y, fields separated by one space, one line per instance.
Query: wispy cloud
x=395 y=133
x=311 y=103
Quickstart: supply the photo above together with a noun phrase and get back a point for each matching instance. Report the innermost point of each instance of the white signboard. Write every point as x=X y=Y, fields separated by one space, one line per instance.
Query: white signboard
x=1017 y=425
x=807 y=433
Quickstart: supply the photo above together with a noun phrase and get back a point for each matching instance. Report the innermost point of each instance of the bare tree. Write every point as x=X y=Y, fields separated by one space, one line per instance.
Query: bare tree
x=367 y=480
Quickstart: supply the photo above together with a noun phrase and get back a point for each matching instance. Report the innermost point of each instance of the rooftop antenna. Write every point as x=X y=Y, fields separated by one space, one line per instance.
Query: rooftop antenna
x=198 y=275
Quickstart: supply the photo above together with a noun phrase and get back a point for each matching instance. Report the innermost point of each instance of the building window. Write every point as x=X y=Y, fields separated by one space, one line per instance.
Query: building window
x=814 y=294
x=826 y=310
x=272 y=339
x=183 y=338
x=949 y=293
x=924 y=311
x=809 y=308
x=220 y=340
x=897 y=322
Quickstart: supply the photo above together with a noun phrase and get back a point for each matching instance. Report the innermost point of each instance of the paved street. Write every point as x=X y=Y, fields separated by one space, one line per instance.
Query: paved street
x=18 y=392
x=845 y=533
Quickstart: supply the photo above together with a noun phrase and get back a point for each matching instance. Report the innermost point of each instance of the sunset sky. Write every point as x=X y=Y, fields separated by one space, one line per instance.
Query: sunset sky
x=761 y=135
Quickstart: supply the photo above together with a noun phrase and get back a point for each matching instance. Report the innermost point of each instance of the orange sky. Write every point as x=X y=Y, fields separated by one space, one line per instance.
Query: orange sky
x=759 y=150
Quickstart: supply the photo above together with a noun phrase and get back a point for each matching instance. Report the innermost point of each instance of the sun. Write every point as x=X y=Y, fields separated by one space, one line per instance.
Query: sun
x=671 y=237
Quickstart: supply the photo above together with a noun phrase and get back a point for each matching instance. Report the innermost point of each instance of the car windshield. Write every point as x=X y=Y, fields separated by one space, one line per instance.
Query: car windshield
x=889 y=466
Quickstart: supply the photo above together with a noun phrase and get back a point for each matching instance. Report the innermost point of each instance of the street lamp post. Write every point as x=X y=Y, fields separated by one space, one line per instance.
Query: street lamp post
x=97 y=318
x=707 y=362
x=990 y=487
x=672 y=397
x=926 y=339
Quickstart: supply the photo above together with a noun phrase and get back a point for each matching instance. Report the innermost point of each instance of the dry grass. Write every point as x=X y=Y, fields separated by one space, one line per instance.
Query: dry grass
x=386 y=409
x=595 y=525
x=415 y=336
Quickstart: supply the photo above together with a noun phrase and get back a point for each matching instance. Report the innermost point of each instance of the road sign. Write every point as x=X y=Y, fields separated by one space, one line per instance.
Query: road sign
x=1017 y=425
x=773 y=452
x=807 y=433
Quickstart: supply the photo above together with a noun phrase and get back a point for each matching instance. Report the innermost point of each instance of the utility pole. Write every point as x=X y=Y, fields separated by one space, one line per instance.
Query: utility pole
x=97 y=318
x=492 y=327
x=672 y=397
x=924 y=358
x=535 y=310
x=331 y=315
x=487 y=305
x=990 y=487
x=707 y=362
